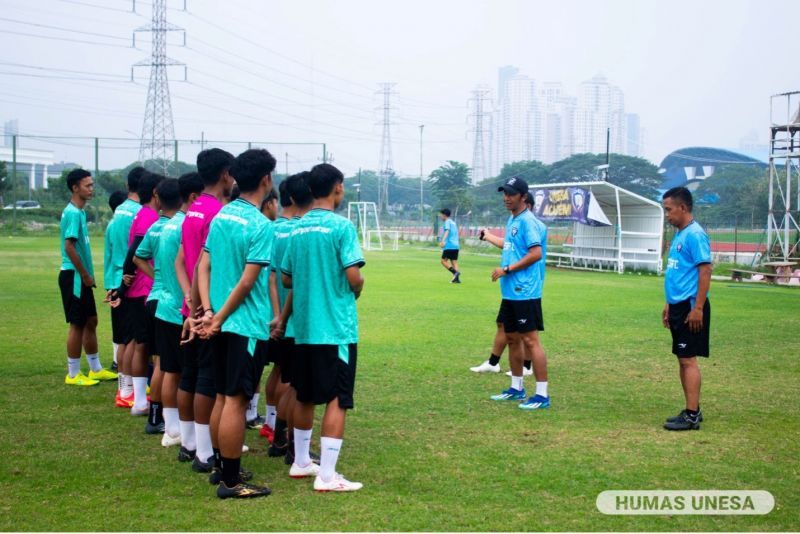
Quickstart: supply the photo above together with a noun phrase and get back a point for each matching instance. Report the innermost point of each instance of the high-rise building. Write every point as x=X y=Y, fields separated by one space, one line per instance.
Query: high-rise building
x=635 y=139
x=10 y=129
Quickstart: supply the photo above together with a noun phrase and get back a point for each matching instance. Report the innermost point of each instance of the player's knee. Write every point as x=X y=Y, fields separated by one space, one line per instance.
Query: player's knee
x=687 y=363
x=91 y=323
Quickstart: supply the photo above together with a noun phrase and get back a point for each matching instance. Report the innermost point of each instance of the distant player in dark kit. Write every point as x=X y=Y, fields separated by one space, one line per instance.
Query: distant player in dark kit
x=76 y=281
x=687 y=312
x=449 y=245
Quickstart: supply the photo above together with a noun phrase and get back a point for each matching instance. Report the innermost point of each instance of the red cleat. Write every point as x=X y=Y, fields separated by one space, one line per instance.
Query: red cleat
x=267 y=432
x=126 y=402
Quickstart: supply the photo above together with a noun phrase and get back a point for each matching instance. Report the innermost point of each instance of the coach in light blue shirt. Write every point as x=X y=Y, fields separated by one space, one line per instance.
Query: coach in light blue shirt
x=449 y=244
x=687 y=312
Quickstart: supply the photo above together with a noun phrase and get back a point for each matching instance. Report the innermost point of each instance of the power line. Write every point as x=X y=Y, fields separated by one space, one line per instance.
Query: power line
x=36 y=67
x=52 y=38
x=61 y=28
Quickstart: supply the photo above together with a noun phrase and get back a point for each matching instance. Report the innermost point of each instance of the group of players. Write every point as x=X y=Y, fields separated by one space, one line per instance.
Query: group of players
x=208 y=285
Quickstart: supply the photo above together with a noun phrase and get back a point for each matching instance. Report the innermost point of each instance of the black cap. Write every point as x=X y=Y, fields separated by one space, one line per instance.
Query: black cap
x=514 y=186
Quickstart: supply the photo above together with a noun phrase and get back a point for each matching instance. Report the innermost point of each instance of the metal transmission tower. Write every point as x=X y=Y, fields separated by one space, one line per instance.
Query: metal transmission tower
x=385 y=165
x=158 y=130
x=479 y=118
x=783 y=239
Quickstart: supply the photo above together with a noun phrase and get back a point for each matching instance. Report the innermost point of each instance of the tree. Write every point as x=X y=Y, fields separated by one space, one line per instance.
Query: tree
x=451 y=185
x=111 y=181
x=5 y=183
x=634 y=174
x=733 y=194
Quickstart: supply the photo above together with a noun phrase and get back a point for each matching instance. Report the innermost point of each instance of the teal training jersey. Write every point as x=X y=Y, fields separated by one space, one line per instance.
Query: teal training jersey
x=148 y=250
x=322 y=246
x=239 y=235
x=116 y=241
x=283 y=231
x=171 y=299
x=73 y=226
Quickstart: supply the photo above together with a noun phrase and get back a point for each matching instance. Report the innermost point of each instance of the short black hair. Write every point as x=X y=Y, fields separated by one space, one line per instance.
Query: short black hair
x=272 y=195
x=211 y=163
x=445 y=211
x=682 y=195
x=169 y=193
x=134 y=177
x=297 y=187
x=115 y=199
x=75 y=176
x=285 y=198
x=323 y=178
x=234 y=193
x=147 y=185
x=190 y=183
x=250 y=167
x=529 y=199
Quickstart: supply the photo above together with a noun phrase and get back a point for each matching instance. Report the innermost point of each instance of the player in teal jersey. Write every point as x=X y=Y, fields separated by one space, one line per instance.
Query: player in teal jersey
x=76 y=281
x=323 y=267
x=235 y=306
x=117 y=330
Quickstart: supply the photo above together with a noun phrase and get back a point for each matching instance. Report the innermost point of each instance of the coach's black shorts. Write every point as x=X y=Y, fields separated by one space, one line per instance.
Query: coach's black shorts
x=685 y=344
x=321 y=373
x=198 y=371
x=521 y=315
x=118 y=323
x=235 y=365
x=283 y=355
x=167 y=344
x=450 y=254
x=77 y=310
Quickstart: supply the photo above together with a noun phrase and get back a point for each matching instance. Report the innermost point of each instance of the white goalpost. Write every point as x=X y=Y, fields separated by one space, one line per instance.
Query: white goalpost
x=393 y=237
x=364 y=215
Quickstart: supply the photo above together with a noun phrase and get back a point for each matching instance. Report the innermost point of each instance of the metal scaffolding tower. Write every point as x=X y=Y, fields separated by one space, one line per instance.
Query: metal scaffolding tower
x=385 y=165
x=158 y=130
x=783 y=232
x=478 y=117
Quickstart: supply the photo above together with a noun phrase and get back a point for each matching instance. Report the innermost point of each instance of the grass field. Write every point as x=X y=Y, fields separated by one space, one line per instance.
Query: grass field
x=433 y=451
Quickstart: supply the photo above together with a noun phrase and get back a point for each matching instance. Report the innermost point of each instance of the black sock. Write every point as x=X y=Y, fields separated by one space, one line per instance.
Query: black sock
x=451 y=270
x=217 y=459
x=494 y=360
x=527 y=364
x=692 y=413
x=159 y=413
x=153 y=415
x=230 y=471
x=280 y=438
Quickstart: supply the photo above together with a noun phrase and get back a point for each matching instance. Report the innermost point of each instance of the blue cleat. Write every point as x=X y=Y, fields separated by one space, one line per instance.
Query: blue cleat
x=510 y=394
x=537 y=402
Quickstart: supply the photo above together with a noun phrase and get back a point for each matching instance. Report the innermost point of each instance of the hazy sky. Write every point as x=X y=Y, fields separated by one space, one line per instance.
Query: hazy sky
x=698 y=73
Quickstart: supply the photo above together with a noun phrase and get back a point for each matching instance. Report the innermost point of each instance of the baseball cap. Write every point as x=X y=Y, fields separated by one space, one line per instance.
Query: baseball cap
x=514 y=186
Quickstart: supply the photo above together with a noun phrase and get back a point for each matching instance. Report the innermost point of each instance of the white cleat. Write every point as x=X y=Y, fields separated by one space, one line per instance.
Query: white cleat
x=245 y=448
x=140 y=411
x=525 y=372
x=311 y=470
x=169 y=441
x=337 y=483
x=485 y=367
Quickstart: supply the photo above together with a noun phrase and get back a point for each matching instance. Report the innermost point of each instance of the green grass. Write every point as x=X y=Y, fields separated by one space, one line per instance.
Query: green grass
x=433 y=451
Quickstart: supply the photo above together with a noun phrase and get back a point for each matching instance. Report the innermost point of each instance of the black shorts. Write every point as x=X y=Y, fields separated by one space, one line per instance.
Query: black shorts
x=320 y=375
x=283 y=355
x=521 y=315
x=235 y=365
x=685 y=344
x=197 y=375
x=77 y=310
x=118 y=323
x=262 y=356
x=167 y=344
x=140 y=316
x=450 y=254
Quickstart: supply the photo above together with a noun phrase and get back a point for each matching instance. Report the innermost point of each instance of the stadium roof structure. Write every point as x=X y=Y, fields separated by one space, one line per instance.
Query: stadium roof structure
x=633 y=240
x=690 y=166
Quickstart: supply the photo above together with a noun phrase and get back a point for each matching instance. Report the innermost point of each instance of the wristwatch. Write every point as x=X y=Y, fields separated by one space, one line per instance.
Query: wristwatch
x=506 y=269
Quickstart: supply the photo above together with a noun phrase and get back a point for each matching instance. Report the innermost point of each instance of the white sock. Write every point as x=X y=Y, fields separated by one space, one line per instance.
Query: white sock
x=516 y=383
x=329 y=454
x=302 y=446
x=272 y=413
x=73 y=366
x=120 y=383
x=172 y=421
x=140 y=392
x=187 y=435
x=203 y=436
x=127 y=388
x=94 y=362
x=541 y=388
x=252 y=408
x=116 y=348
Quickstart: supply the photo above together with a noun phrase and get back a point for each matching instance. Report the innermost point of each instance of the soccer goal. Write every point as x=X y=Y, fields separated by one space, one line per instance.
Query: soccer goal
x=375 y=239
x=364 y=215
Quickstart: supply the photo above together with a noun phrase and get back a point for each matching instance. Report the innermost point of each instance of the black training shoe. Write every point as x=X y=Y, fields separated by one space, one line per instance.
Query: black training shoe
x=114 y=367
x=216 y=475
x=275 y=451
x=678 y=417
x=256 y=422
x=288 y=459
x=154 y=429
x=242 y=491
x=199 y=466
x=185 y=455
x=684 y=422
